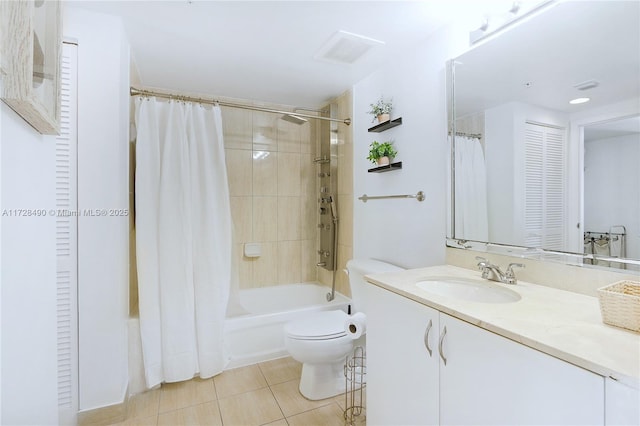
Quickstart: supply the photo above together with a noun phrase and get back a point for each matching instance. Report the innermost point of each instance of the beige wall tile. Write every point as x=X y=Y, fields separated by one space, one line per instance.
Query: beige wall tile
x=237 y=128
x=281 y=370
x=309 y=217
x=244 y=265
x=265 y=269
x=309 y=259
x=306 y=146
x=265 y=134
x=345 y=214
x=325 y=277
x=265 y=173
x=308 y=175
x=239 y=172
x=250 y=408
x=184 y=394
x=288 y=218
x=265 y=218
x=239 y=380
x=289 y=262
x=202 y=414
x=289 y=177
x=289 y=136
x=242 y=216
x=345 y=169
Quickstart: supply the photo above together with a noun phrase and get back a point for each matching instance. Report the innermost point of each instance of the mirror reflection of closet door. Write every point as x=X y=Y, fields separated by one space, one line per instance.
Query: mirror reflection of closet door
x=67 y=240
x=545 y=186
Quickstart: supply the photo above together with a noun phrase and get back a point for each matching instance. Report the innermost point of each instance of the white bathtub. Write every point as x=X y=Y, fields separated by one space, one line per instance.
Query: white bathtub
x=258 y=334
x=254 y=332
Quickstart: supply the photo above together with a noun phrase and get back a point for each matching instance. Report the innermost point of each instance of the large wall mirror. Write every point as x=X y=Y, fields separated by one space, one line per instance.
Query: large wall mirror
x=531 y=169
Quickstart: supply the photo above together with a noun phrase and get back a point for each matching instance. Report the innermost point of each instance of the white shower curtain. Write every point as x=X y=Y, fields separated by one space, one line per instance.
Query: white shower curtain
x=183 y=239
x=470 y=190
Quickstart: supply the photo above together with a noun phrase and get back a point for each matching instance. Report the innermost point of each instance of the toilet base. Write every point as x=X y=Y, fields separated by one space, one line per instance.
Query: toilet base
x=320 y=381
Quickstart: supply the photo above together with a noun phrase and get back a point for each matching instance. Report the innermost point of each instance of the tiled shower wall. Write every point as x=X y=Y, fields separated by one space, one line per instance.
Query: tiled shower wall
x=273 y=195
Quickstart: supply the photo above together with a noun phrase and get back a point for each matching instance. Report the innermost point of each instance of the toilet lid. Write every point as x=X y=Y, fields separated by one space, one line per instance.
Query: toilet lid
x=318 y=326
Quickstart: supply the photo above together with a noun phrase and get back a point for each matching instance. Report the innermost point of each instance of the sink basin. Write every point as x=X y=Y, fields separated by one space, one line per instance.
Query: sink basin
x=468 y=289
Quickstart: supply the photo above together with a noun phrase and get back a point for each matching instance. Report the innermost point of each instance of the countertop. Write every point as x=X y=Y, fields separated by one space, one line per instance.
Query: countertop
x=560 y=323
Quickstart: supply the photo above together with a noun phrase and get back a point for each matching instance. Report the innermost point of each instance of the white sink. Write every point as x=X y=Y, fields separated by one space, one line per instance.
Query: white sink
x=468 y=289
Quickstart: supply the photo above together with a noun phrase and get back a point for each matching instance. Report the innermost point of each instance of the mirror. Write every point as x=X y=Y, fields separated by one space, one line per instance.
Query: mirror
x=530 y=169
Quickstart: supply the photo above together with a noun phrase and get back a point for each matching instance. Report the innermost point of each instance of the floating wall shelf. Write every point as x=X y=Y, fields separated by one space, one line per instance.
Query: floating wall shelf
x=385 y=125
x=387 y=168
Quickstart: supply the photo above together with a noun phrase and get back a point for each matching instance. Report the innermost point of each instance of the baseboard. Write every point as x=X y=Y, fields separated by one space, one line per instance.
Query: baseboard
x=105 y=415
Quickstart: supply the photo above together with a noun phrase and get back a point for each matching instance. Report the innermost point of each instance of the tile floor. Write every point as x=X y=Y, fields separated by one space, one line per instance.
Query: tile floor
x=262 y=394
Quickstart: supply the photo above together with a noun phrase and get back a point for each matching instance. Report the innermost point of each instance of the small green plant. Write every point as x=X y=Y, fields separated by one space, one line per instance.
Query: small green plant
x=381 y=107
x=379 y=150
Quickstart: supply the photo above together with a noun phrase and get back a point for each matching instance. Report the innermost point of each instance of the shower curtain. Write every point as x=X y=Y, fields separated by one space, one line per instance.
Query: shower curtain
x=183 y=239
x=470 y=190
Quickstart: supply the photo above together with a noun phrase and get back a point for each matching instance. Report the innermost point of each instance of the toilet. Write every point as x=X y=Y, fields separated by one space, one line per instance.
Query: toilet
x=320 y=341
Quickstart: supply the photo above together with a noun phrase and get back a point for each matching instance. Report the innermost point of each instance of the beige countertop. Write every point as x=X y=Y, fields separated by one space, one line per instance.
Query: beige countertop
x=560 y=323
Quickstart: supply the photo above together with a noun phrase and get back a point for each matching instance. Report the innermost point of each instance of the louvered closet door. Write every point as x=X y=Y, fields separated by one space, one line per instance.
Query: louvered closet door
x=545 y=186
x=67 y=241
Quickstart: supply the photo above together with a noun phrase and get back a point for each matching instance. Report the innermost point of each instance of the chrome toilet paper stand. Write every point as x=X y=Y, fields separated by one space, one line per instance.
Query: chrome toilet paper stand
x=355 y=374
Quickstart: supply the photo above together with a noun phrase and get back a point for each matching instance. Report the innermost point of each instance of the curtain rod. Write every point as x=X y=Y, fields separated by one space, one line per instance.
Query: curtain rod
x=143 y=92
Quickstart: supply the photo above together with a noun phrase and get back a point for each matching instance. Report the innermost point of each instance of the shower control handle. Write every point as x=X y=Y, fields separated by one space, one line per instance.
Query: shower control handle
x=321 y=264
x=323 y=210
x=324 y=253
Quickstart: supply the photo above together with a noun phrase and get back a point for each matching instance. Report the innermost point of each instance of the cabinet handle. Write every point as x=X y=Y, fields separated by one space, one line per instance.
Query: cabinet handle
x=444 y=333
x=426 y=337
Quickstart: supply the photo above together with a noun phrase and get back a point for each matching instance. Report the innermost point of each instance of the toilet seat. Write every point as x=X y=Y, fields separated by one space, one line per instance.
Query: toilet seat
x=324 y=325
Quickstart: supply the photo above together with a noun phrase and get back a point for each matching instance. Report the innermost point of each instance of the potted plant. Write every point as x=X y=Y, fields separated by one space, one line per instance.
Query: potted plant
x=381 y=110
x=381 y=153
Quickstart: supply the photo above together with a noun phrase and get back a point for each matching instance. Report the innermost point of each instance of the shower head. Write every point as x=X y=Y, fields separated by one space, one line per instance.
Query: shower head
x=294 y=119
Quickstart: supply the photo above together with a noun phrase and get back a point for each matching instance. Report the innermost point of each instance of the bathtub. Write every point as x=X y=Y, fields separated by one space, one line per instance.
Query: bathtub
x=254 y=331
x=257 y=334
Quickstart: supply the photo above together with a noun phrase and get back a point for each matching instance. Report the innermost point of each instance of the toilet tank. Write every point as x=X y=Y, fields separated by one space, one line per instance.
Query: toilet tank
x=357 y=269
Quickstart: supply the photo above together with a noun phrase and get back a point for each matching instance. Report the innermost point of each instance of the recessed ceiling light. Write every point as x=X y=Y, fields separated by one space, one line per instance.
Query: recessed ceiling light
x=577 y=101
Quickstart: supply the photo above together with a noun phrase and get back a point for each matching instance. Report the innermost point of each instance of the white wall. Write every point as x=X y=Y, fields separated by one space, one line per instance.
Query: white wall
x=103 y=248
x=611 y=196
x=404 y=231
x=28 y=264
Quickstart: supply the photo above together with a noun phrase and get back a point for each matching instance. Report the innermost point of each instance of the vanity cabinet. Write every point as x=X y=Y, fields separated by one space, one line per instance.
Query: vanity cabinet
x=487 y=379
x=402 y=375
x=622 y=404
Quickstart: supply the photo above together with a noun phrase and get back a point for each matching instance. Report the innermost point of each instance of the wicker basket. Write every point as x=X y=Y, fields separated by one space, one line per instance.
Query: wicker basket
x=620 y=304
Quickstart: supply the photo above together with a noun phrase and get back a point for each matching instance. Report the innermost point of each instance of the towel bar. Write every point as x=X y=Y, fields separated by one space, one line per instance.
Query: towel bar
x=419 y=196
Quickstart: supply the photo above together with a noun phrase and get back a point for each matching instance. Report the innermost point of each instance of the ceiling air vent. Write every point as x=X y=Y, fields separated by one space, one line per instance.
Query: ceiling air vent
x=586 y=85
x=346 y=48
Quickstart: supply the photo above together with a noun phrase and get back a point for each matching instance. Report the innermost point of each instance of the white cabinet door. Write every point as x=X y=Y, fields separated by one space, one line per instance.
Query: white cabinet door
x=402 y=376
x=491 y=380
x=622 y=404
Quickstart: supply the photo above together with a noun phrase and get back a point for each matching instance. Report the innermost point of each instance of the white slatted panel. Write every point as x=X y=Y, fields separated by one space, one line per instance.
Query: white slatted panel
x=534 y=184
x=66 y=241
x=545 y=187
x=554 y=194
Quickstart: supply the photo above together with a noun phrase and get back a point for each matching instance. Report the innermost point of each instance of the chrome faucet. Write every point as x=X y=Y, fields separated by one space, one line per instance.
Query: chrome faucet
x=494 y=273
